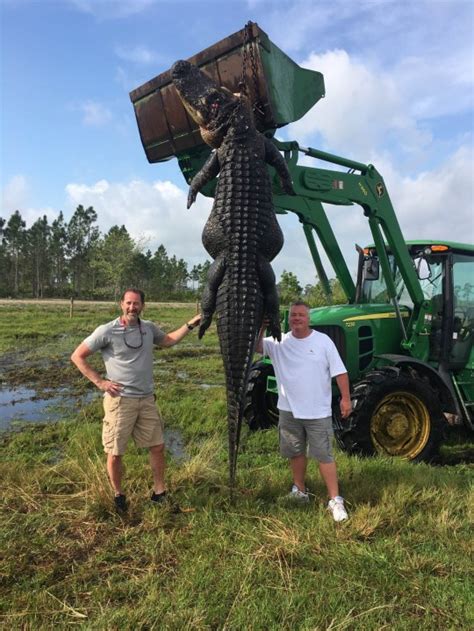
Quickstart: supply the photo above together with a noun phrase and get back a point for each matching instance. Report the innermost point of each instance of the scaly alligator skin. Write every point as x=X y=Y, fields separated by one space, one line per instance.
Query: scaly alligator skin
x=242 y=234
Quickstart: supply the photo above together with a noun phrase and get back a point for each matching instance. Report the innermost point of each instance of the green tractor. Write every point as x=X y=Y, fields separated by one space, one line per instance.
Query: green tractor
x=406 y=331
x=404 y=397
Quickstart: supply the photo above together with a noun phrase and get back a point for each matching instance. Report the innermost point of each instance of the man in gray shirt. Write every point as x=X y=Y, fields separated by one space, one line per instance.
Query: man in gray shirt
x=126 y=345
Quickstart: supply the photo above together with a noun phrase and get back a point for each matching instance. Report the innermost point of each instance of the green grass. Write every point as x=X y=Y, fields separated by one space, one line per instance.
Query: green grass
x=402 y=561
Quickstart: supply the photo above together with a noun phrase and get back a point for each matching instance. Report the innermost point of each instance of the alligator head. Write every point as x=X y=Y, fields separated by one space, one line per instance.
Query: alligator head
x=211 y=106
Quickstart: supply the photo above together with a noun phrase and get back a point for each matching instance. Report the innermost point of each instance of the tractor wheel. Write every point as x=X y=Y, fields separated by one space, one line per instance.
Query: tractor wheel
x=260 y=409
x=395 y=413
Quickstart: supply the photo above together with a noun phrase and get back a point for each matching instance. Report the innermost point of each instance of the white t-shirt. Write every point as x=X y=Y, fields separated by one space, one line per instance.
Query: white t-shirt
x=304 y=369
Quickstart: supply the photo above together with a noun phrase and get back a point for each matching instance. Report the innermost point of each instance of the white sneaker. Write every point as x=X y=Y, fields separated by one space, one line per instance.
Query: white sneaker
x=336 y=506
x=299 y=496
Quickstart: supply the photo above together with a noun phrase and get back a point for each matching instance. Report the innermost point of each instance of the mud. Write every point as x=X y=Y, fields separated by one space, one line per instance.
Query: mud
x=22 y=406
x=37 y=390
x=46 y=375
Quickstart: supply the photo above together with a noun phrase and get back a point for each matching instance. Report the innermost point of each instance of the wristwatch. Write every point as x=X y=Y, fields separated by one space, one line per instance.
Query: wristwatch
x=190 y=326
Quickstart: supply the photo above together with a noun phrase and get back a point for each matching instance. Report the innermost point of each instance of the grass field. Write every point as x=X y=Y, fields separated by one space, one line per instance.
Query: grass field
x=402 y=561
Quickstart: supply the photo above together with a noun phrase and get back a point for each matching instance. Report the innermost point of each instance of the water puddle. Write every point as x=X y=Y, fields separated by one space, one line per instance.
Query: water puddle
x=175 y=444
x=23 y=405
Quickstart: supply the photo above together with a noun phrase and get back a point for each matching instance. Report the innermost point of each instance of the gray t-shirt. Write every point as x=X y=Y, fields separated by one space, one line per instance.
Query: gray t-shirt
x=127 y=352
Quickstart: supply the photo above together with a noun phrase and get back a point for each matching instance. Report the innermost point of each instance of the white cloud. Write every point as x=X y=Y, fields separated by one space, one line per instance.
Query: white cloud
x=436 y=204
x=429 y=90
x=413 y=61
x=383 y=30
x=17 y=196
x=363 y=110
x=138 y=55
x=153 y=214
x=124 y=80
x=439 y=203
x=307 y=19
x=112 y=9
x=95 y=114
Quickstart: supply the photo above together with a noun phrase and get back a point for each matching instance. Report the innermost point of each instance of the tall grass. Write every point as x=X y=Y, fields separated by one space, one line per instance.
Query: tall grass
x=402 y=561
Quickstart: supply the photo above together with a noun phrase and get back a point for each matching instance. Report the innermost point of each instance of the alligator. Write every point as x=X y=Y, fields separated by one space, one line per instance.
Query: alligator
x=242 y=234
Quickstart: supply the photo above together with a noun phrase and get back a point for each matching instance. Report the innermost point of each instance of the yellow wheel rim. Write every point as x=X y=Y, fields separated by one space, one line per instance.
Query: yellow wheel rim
x=400 y=425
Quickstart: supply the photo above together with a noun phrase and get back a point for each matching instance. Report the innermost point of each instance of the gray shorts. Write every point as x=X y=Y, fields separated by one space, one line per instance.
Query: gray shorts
x=299 y=436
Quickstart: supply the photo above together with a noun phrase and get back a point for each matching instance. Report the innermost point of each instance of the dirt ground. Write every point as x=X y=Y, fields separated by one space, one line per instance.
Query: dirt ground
x=65 y=301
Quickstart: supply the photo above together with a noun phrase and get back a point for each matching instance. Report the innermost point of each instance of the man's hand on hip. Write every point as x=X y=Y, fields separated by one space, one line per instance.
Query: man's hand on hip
x=112 y=388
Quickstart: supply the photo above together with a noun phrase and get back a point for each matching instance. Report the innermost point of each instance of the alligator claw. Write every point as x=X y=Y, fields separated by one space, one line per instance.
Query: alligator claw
x=191 y=197
x=205 y=323
x=275 y=331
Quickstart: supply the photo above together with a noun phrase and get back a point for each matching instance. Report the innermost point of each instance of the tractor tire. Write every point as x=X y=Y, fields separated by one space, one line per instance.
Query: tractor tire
x=396 y=413
x=260 y=407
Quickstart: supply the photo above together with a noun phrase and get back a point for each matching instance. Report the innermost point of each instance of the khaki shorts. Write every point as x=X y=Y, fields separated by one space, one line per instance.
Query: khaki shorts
x=130 y=416
x=300 y=436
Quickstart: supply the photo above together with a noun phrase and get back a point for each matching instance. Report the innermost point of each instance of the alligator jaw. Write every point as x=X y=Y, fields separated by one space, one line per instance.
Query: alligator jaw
x=207 y=104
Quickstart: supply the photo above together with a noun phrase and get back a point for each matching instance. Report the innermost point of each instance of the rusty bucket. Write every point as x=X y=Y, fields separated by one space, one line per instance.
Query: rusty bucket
x=280 y=90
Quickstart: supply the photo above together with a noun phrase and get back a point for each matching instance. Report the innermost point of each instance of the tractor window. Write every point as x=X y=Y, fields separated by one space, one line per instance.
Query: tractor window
x=375 y=291
x=433 y=285
x=463 y=280
x=463 y=323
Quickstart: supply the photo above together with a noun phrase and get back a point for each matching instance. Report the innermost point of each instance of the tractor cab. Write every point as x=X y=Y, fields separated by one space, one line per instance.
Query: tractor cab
x=446 y=275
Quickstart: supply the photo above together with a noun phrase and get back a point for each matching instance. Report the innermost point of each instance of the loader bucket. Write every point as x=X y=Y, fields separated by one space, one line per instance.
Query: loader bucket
x=282 y=91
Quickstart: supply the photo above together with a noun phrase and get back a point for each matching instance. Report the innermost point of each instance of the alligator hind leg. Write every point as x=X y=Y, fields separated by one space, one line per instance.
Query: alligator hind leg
x=209 y=294
x=271 y=303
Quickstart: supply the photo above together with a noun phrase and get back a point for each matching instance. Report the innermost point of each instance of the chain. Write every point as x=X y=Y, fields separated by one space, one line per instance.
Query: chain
x=253 y=62
x=248 y=51
x=243 y=82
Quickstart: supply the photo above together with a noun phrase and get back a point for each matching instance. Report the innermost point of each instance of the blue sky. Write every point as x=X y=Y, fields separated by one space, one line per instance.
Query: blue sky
x=399 y=94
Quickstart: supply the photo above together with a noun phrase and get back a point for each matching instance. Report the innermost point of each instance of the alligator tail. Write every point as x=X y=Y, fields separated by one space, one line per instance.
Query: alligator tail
x=239 y=317
x=234 y=421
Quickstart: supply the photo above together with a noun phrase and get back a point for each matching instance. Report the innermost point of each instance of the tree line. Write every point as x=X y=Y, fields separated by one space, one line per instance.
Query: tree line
x=74 y=259
x=64 y=259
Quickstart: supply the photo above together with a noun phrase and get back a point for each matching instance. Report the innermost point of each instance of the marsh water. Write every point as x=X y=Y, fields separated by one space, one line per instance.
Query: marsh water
x=24 y=405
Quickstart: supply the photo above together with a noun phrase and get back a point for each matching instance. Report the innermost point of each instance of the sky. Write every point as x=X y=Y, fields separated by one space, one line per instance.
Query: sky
x=399 y=94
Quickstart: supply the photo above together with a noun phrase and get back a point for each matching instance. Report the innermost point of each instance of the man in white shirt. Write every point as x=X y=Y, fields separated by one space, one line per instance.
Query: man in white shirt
x=305 y=361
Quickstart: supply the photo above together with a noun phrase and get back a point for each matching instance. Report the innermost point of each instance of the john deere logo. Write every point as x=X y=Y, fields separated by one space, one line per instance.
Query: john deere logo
x=380 y=189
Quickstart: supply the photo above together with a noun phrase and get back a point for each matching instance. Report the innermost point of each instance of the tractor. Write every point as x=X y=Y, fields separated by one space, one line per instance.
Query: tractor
x=406 y=331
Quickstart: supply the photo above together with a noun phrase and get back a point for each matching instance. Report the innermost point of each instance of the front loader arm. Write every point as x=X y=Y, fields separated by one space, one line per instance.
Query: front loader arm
x=311 y=214
x=314 y=186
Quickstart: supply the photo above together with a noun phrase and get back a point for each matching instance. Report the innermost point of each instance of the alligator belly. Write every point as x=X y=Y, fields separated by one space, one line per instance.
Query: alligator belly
x=243 y=214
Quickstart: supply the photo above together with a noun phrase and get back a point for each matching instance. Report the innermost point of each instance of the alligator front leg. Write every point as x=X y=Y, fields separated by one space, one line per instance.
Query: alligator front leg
x=274 y=158
x=209 y=294
x=209 y=171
